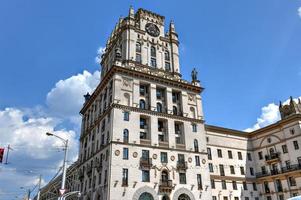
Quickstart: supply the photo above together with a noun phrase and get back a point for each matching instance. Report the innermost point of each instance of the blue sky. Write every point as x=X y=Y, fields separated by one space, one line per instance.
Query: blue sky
x=247 y=54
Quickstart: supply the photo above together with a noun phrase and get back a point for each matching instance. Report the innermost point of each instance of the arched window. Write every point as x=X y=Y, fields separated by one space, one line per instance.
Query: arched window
x=125 y=135
x=192 y=112
x=127 y=99
x=272 y=151
x=142 y=104
x=146 y=196
x=174 y=110
x=164 y=176
x=167 y=57
x=159 y=107
x=196 y=145
x=153 y=51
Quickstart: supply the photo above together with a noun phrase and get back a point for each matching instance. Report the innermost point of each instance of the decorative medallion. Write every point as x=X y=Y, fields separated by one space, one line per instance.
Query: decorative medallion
x=152 y=29
x=172 y=158
x=117 y=152
x=204 y=161
x=189 y=159
x=135 y=154
x=155 y=156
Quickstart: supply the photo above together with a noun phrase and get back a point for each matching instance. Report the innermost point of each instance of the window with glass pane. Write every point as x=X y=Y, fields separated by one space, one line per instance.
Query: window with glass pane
x=212 y=183
x=210 y=167
x=194 y=128
x=126 y=116
x=125 y=153
x=209 y=154
x=153 y=51
x=124 y=177
x=199 y=179
x=145 y=176
x=224 y=185
x=163 y=157
x=153 y=62
x=182 y=178
x=219 y=153
x=230 y=154
x=197 y=160
x=234 y=185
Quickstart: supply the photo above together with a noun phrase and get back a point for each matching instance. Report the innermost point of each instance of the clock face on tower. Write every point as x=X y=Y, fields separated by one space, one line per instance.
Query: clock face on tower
x=152 y=29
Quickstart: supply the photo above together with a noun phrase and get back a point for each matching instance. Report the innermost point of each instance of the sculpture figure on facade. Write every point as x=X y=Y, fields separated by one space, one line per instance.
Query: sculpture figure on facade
x=118 y=53
x=194 y=76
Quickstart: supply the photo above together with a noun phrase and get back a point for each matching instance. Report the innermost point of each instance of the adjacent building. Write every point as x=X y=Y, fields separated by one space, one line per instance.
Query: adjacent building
x=143 y=134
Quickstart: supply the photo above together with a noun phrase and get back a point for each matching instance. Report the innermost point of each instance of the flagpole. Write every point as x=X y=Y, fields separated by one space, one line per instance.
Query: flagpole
x=7 y=153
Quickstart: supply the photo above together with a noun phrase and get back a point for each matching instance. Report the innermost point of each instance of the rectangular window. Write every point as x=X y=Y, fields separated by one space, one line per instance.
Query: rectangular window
x=284 y=148
x=249 y=156
x=260 y=155
x=245 y=186
x=234 y=185
x=163 y=157
x=212 y=183
x=225 y=198
x=221 y=170
x=254 y=186
x=138 y=58
x=126 y=116
x=210 y=167
x=224 y=185
x=182 y=178
x=251 y=171
x=142 y=135
x=242 y=170
x=125 y=153
x=153 y=62
x=209 y=154
x=219 y=153
x=194 y=128
x=296 y=145
x=236 y=198
x=214 y=198
x=125 y=177
x=199 y=179
x=232 y=171
x=167 y=66
x=230 y=156
x=292 y=181
x=142 y=90
x=143 y=123
x=145 y=176
x=239 y=155
x=197 y=161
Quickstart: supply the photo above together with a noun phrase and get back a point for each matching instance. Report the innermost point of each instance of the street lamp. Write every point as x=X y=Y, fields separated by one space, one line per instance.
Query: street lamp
x=62 y=190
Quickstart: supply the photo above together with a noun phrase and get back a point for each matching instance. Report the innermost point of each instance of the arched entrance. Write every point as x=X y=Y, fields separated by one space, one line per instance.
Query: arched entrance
x=183 y=197
x=165 y=197
x=146 y=196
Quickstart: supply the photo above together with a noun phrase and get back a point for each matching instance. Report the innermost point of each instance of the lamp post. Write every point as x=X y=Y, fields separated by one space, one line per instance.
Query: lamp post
x=62 y=190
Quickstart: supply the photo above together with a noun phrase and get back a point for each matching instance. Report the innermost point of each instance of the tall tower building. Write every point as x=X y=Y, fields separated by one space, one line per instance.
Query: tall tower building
x=143 y=134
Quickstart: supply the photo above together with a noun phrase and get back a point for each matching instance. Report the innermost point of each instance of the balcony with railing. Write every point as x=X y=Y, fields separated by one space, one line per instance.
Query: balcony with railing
x=275 y=157
x=165 y=186
x=283 y=170
x=182 y=166
x=145 y=163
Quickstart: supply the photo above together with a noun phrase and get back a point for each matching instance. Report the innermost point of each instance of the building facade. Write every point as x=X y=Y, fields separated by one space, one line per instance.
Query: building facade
x=143 y=135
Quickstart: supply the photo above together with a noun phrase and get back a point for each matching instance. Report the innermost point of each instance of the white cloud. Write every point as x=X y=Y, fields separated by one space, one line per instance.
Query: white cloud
x=24 y=129
x=66 y=98
x=299 y=11
x=269 y=115
x=100 y=51
x=32 y=151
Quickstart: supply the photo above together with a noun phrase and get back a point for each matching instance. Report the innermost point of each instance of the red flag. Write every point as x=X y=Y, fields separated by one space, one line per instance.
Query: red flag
x=1 y=154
